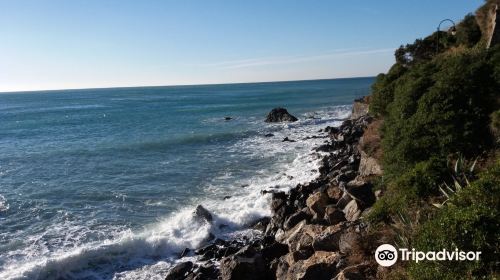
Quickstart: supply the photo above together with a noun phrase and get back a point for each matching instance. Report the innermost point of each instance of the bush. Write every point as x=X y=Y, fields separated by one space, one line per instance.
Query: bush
x=424 y=178
x=440 y=107
x=470 y=221
x=383 y=89
x=468 y=31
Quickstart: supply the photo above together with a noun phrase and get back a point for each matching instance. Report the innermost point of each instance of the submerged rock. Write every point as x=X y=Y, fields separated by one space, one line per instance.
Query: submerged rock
x=280 y=115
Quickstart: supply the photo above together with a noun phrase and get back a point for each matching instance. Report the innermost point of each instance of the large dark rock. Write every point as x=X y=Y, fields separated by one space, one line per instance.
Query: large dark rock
x=294 y=219
x=202 y=214
x=246 y=264
x=280 y=115
x=179 y=271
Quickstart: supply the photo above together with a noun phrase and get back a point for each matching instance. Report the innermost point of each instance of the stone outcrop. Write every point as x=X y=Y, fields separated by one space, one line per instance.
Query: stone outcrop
x=280 y=115
x=359 y=108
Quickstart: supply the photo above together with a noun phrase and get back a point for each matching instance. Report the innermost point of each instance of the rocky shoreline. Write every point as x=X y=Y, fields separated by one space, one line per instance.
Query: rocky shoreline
x=316 y=230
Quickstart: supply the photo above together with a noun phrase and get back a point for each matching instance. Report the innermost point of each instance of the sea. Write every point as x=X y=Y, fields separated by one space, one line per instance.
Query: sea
x=102 y=183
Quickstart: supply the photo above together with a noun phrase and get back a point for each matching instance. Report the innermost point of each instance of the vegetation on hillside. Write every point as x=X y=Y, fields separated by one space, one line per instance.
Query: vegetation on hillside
x=437 y=109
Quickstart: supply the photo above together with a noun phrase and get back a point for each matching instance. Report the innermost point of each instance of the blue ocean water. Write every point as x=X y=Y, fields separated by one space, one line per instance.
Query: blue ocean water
x=101 y=183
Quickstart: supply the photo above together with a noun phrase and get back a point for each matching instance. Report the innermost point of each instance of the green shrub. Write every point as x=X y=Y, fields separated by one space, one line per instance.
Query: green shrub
x=468 y=31
x=440 y=107
x=424 y=178
x=383 y=89
x=470 y=221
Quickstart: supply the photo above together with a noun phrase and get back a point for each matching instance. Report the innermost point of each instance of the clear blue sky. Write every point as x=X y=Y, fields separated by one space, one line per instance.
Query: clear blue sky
x=56 y=44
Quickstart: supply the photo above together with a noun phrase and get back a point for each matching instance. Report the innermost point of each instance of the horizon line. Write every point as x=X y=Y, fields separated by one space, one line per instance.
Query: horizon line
x=179 y=85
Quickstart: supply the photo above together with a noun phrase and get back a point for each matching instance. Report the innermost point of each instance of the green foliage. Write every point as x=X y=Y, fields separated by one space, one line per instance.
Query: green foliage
x=383 y=89
x=468 y=31
x=423 y=179
x=424 y=49
x=420 y=181
x=469 y=222
x=440 y=107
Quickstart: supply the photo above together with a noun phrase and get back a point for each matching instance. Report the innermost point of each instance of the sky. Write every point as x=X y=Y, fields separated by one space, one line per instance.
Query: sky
x=61 y=44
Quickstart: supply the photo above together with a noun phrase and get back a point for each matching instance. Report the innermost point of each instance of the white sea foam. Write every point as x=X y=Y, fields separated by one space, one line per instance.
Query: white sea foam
x=4 y=206
x=149 y=253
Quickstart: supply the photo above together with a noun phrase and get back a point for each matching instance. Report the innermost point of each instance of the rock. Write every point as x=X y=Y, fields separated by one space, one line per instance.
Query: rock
x=246 y=264
x=361 y=191
x=328 y=239
x=349 y=241
x=280 y=115
x=320 y=265
x=202 y=214
x=317 y=203
x=334 y=192
x=261 y=224
x=269 y=135
x=359 y=108
x=294 y=219
x=344 y=200
x=179 y=271
x=286 y=139
x=369 y=166
x=333 y=215
x=184 y=252
x=207 y=272
x=304 y=242
x=361 y=271
x=352 y=210
x=273 y=251
x=278 y=199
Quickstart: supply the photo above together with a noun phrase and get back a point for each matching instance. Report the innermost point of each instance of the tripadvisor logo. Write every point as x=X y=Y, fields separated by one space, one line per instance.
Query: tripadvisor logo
x=387 y=255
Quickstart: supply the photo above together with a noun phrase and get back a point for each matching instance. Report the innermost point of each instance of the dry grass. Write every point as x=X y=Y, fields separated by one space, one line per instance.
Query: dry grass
x=370 y=142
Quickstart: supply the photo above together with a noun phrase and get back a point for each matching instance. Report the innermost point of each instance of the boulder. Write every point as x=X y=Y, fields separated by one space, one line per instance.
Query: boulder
x=280 y=115
x=328 y=239
x=317 y=203
x=359 y=108
x=352 y=210
x=360 y=271
x=294 y=219
x=246 y=264
x=278 y=199
x=349 y=241
x=333 y=215
x=261 y=224
x=207 y=271
x=334 y=192
x=179 y=271
x=369 y=166
x=202 y=214
x=320 y=265
x=300 y=236
x=361 y=191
